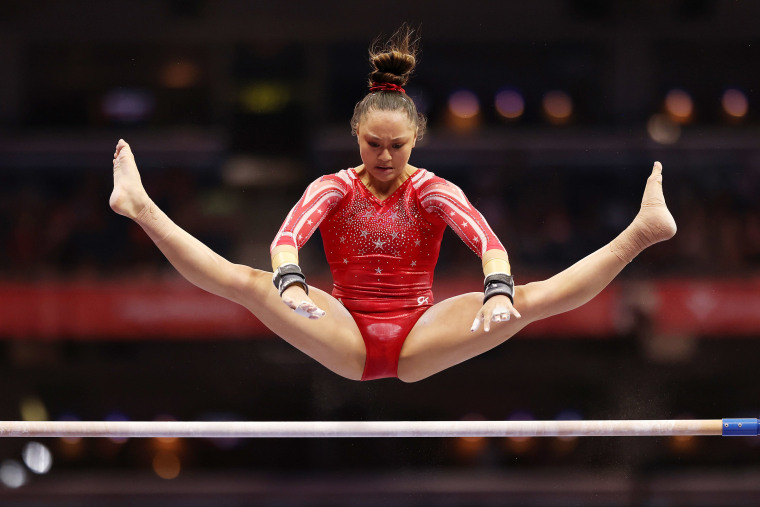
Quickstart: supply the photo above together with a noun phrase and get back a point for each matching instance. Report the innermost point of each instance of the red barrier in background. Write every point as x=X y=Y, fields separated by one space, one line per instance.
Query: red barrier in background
x=701 y=307
x=120 y=310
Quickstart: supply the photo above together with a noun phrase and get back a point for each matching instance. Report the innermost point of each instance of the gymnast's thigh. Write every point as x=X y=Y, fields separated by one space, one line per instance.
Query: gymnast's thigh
x=443 y=338
x=333 y=340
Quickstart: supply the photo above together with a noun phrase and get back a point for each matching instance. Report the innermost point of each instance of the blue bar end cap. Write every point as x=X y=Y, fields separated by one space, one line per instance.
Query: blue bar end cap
x=747 y=427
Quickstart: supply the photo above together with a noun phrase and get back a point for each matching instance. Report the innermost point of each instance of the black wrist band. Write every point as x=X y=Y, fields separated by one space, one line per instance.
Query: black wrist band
x=499 y=284
x=287 y=275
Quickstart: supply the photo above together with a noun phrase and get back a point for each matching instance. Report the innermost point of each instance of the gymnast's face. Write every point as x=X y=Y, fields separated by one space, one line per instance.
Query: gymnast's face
x=386 y=139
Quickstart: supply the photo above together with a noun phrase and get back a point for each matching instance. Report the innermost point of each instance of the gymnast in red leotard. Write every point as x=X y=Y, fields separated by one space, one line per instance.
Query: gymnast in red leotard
x=382 y=224
x=382 y=253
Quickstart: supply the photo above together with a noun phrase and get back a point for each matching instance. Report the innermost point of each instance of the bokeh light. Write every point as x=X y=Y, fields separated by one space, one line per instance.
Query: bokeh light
x=679 y=106
x=128 y=105
x=663 y=130
x=735 y=103
x=166 y=465
x=510 y=104
x=682 y=444
x=464 y=104
x=12 y=474
x=558 y=107
x=463 y=111
x=33 y=409
x=37 y=457
x=265 y=97
x=71 y=448
x=180 y=74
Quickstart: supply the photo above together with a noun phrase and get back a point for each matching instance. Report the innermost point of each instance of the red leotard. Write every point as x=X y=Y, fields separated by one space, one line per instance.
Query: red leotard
x=382 y=253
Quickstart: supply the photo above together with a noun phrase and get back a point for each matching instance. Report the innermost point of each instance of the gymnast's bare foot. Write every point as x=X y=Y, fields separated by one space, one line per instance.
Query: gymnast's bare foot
x=654 y=218
x=654 y=222
x=128 y=197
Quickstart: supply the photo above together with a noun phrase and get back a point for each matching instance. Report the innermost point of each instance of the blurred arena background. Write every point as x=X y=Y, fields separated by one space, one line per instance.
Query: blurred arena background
x=547 y=113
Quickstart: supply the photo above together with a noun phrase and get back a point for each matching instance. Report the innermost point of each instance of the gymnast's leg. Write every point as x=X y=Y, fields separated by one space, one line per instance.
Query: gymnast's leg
x=333 y=340
x=442 y=337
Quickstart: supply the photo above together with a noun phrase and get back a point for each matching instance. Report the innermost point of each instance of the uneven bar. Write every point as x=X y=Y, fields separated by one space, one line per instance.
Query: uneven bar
x=376 y=429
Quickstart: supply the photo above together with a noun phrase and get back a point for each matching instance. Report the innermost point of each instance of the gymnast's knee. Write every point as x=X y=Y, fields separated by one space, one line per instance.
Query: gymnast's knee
x=248 y=282
x=532 y=300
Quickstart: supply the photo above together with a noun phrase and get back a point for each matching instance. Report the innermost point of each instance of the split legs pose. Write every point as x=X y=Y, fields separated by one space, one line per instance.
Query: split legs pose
x=440 y=339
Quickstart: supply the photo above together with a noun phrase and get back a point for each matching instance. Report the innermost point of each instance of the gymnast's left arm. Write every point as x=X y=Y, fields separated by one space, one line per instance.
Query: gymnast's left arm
x=446 y=200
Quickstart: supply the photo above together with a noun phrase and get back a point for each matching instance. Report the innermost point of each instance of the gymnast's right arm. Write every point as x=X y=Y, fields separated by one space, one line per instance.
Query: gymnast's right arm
x=320 y=197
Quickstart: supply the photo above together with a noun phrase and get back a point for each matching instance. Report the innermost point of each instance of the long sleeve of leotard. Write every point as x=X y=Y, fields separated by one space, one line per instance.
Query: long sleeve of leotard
x=447 y=201
x=320 y=197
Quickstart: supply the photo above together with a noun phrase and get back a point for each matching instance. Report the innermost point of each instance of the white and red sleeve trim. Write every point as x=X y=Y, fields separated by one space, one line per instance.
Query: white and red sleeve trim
x=320 y=197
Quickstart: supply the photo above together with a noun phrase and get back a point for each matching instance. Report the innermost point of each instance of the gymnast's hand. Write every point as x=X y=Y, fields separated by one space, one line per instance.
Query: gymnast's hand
x=298 y=301
x=497 y=309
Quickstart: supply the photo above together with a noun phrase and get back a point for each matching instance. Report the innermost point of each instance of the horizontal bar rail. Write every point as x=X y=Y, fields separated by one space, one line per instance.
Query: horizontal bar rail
x=377 y=429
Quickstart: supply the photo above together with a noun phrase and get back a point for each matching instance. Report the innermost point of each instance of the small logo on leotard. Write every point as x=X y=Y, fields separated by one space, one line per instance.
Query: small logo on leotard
x=423 y=300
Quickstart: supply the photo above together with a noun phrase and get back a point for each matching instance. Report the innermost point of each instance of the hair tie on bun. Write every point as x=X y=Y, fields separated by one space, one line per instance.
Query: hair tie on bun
x=385 y=87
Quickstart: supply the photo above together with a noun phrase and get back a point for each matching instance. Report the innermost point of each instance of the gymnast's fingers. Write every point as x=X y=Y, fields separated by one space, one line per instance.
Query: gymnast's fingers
x=309 y=310
x=303 y=306
x=500 y=314
x=477 y=322
x=503 y=310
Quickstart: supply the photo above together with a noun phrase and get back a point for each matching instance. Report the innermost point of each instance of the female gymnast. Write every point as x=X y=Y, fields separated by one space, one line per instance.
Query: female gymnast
x=382 y=224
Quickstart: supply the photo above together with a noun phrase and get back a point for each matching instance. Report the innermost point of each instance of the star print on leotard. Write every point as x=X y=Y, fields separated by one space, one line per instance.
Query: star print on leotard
x=384 y=250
